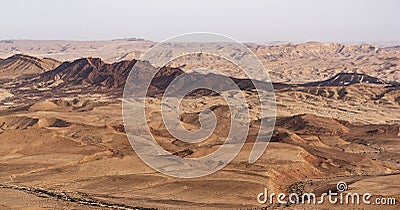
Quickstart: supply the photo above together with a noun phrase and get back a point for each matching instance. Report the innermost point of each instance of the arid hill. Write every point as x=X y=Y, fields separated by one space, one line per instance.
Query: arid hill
x=95 y=75
x=292 y=63
x=19 y=65
x=345 y=79
x=87 y=71
x=92 y=75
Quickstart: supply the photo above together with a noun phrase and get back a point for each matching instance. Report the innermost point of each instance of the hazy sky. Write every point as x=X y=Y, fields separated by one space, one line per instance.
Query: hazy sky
x=246 y=20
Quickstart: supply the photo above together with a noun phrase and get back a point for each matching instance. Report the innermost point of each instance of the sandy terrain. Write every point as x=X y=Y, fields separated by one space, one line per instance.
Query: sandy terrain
x=64 y=144
x=63 y=148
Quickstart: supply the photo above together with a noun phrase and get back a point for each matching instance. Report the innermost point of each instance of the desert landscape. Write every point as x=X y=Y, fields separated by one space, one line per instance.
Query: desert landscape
x=64 y=144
